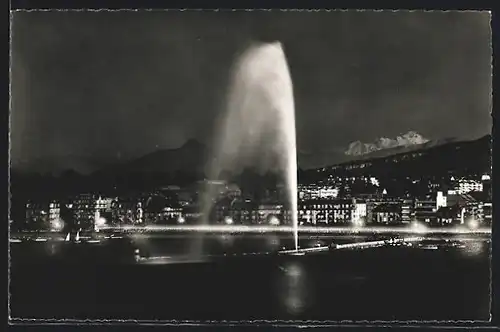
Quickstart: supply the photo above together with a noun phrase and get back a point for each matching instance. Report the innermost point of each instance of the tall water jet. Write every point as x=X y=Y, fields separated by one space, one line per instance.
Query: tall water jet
x=258 y=126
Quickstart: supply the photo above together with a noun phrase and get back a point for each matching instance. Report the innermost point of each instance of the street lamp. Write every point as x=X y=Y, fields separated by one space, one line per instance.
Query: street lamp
x=56 y=225
x=100 y=222
x=473 y=223
x=418 y=227
x=274 y=221
x=358 y=222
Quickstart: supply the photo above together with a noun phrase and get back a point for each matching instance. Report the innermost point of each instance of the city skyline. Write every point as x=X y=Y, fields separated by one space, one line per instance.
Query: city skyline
x=78 y=76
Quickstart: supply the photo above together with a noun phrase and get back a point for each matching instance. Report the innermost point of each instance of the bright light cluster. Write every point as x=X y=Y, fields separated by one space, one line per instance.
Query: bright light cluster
x=100 y=222
x=473 y=224
x=419 y=227
x=358 y=222
x=56 y=225
x=274 y=221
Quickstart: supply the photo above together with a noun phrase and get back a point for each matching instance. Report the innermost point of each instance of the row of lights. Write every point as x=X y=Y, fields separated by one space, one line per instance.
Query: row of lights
x=58 y=224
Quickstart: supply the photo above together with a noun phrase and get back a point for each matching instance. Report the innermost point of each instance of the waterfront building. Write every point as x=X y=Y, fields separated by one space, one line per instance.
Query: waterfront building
x=441 y=200
x=485 y=212
x=243 y=211
x=103 y=205
x=326 y=211
x=425 y=210
x=221 y=209
x=447 y=215
x=191 y=214
x=125 y=210
x=54 y=210
x=359 y=212
x=248 y=212
x=84 y=210
x=272 y=213
x=407 y=206
x=486 y=181
x=387 y=214
x=159 y=209
x=38 y=214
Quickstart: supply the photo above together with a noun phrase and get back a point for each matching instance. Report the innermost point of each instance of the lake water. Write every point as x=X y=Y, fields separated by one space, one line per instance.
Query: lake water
x=435 y=280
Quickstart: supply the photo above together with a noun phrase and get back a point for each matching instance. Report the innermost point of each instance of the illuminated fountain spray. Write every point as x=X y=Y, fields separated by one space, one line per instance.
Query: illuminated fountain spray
x=258 y=128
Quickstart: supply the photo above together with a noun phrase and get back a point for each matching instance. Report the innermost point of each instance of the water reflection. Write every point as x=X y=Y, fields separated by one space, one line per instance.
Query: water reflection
x=474 y=249
x=272 y=242
x=294 y=290
x=226 y=240
x=53 y=248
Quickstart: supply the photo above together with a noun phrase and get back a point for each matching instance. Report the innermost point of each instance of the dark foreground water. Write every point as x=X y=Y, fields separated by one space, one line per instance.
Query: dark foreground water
x=435 y=280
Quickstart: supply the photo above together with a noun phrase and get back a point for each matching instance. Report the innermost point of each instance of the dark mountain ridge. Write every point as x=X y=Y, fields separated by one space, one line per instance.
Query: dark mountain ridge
x=186 y=164
x=432 y=159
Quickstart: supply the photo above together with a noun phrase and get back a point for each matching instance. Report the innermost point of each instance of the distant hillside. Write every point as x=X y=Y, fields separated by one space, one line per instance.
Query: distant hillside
x=190 y=157
x=429 y=159
x=447 y=155
x=186 y=164
x=308 y=160
x=177 y=166
x=311 y=160
x=386 y=152
x=55 y=165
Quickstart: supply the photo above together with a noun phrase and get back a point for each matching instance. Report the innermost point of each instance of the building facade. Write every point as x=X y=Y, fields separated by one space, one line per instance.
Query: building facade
x=326 y=212
x=407 y=207
x=158 y=209
x=39 y=215
x=466 y=185
x=359 y=212
x=84 y=210
x=312 y=192
x=425 y=210
x=448 y=215
x=387 y=214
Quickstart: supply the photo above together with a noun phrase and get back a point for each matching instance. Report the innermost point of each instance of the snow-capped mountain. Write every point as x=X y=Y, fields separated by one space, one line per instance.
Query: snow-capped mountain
x=359 y=148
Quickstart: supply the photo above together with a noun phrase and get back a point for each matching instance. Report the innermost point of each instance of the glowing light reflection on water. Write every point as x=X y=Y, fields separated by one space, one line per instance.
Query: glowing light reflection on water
x=294 y=287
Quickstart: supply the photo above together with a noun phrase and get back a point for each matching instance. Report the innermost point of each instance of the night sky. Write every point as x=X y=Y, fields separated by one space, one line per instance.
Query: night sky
x=103 y=85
